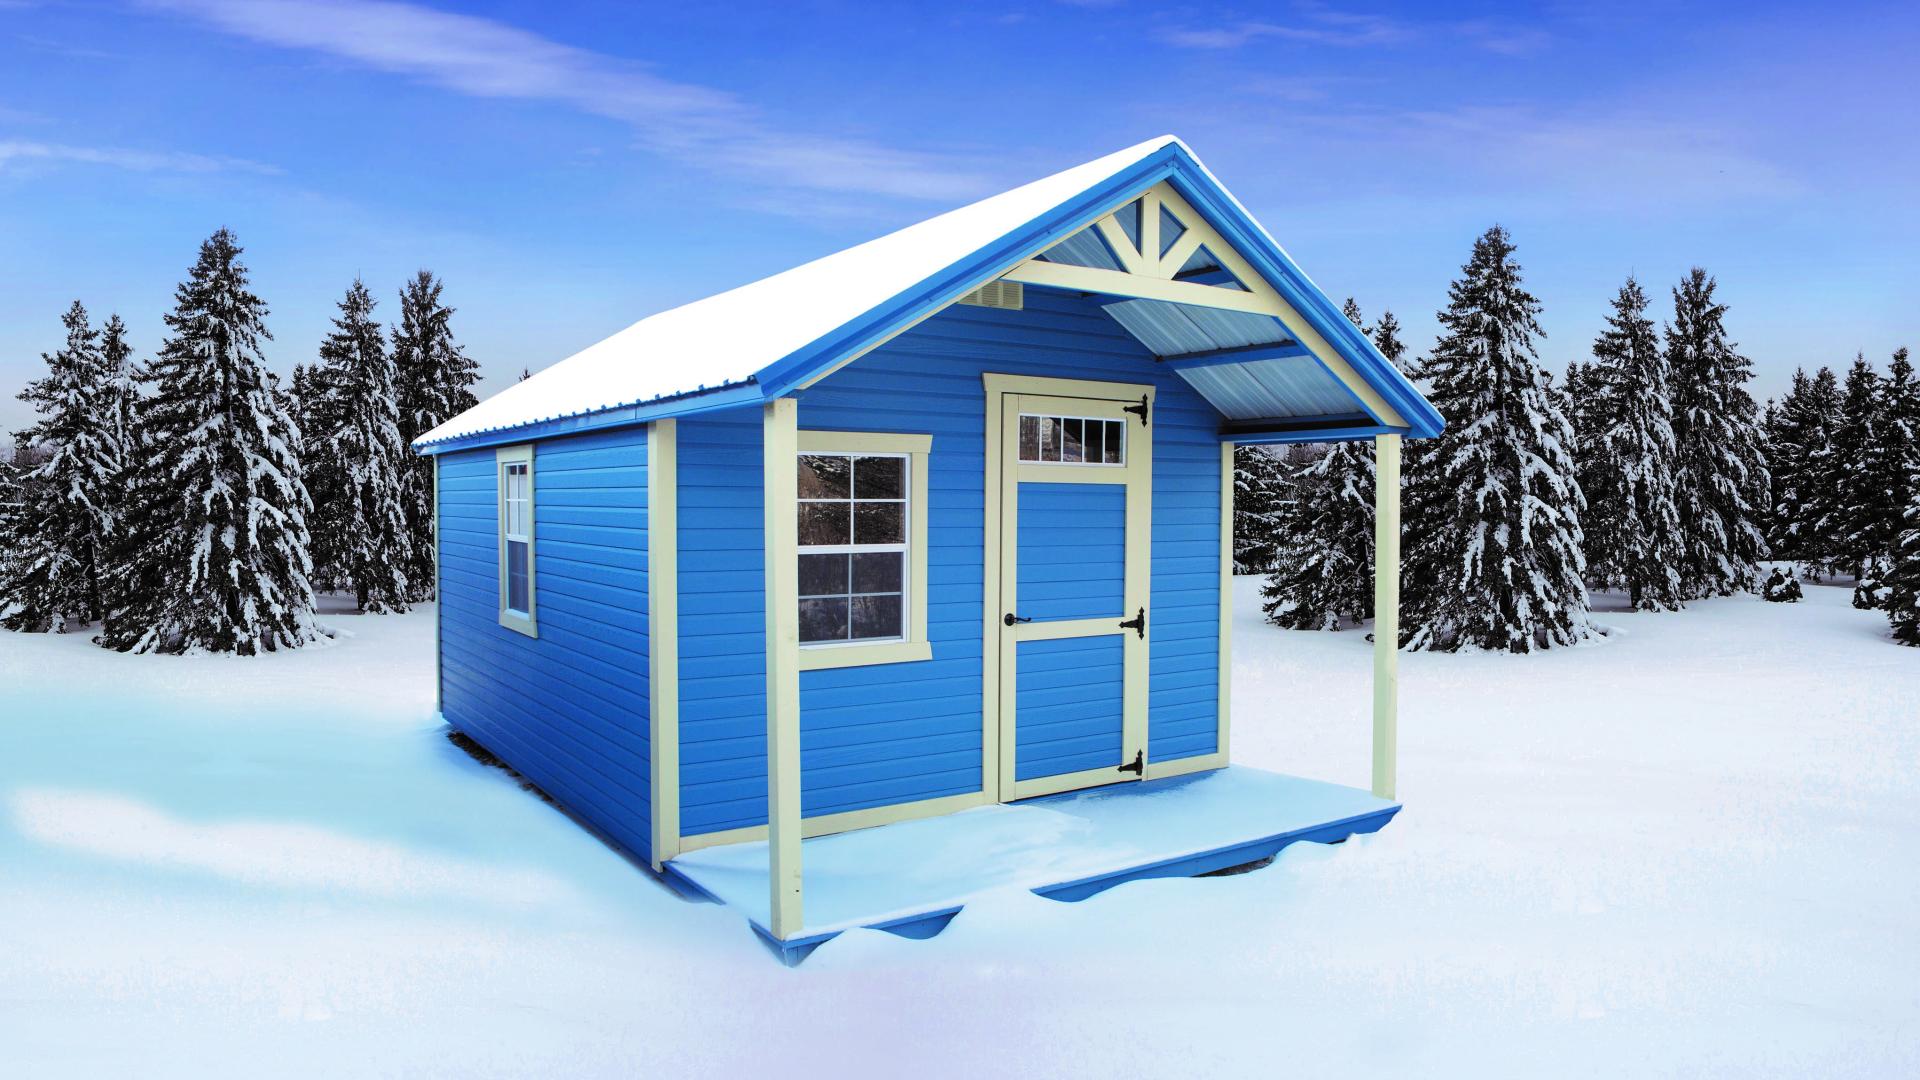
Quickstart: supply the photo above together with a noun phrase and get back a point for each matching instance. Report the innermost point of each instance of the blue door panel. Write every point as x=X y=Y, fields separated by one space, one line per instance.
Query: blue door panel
x=1072 y=551
x=1067 y=706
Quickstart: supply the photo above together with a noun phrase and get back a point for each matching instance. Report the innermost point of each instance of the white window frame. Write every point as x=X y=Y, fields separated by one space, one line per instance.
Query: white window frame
x=1125 y=438
x=507 y=457
x=913 y=644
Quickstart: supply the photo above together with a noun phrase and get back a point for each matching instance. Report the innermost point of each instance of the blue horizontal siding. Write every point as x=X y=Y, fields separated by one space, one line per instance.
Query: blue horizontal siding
x=1072 y=557
x=875 y=736
x=1068 y=705
x=568 y=710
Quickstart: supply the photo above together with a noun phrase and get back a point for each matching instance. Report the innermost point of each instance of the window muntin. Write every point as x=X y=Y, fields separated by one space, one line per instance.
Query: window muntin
x=517 y=526
x=1072 y=440
x=854 y=516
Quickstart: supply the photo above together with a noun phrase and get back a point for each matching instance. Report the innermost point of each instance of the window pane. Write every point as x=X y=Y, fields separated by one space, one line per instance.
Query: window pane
x=823 y=476
x=823 y=620
x=880 y=478
x=1095 y=430
x=824 y=575
x=1116 y=439
x=1029 y=438
x=1049 y=438
x=878 y=572
x=876 y=617
x=824 y=523
x=880 y=523
x=517 y=576
x=1073 y=440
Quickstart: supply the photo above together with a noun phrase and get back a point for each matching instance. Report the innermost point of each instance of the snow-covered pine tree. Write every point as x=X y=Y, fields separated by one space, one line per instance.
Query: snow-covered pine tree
x=1324 y=569
x=1259 y=488
x=1798 y=432
x=1386 y=338
x=73 y=499
x=1721 y=483
x=1633 y=532
x=435 y=380
x=220 y=545
x=367 y=528
x=1903 y=575
x=1891 y=466
x=315 y=409
x=1494 y=556
x=1849 y=480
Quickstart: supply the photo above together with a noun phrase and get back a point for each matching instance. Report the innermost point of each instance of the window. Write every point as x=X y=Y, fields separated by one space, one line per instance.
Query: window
x=1073 y=440
x=515 y=465
x=862 y=548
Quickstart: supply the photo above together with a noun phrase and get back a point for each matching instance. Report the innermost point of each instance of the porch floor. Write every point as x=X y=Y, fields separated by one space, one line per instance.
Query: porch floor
x=912 y=877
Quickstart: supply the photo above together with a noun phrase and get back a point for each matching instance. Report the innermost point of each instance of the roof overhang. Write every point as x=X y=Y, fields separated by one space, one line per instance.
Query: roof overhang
x=1319 y=378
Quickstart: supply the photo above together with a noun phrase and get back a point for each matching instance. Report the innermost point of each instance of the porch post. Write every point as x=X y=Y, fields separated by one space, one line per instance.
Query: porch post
x=780 y=445
x=1386 y=612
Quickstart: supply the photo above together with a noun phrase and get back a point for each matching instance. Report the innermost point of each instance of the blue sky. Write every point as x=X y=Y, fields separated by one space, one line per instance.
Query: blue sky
x=570 y=168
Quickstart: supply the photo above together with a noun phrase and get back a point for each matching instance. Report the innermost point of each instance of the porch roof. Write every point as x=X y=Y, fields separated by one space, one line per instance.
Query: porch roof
x=769 y=338
x=912 y=877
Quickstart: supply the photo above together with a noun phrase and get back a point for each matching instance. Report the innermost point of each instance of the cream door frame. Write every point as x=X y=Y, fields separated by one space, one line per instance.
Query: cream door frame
x=1007 y=397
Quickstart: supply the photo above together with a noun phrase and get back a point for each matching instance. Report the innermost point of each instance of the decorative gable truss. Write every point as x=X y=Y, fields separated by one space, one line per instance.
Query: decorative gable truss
x=1159 y=248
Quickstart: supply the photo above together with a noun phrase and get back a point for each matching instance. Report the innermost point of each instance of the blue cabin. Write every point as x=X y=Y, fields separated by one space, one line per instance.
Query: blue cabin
x=922 y=535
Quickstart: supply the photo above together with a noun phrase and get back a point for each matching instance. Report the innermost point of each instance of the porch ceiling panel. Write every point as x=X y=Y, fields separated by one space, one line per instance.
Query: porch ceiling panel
x=1170 y=329
x=1260 y=389
x=1255 y=390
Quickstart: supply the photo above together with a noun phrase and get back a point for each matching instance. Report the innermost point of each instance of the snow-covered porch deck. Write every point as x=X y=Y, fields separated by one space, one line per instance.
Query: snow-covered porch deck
x=912 y=877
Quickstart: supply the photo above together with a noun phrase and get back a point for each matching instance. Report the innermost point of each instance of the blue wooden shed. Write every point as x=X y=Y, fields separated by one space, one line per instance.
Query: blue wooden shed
x=898 y=549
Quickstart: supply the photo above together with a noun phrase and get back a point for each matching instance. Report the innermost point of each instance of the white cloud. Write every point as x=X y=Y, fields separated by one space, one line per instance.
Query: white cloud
x=16 y=151
x=485 y=58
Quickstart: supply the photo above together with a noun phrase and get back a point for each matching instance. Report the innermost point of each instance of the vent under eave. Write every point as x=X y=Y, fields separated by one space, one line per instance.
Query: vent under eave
x=1007 y=295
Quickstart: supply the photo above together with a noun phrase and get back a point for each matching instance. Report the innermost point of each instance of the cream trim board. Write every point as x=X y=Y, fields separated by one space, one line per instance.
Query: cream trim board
x=1386 y=615
x=779 y=445
x=1223 y=742
x=1157 y=770
x=527 y=623
x=663 y=635
x=1120 y=283
x=1127 y=393
x=915 y=646
x=844 y=821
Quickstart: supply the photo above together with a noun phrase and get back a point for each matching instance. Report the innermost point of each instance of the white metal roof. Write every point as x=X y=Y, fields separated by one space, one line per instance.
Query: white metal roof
x=726 y=338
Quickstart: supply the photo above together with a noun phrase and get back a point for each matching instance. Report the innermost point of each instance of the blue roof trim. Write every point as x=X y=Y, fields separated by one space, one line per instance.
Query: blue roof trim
x=1173 y=164
x=909 y=307
x=709 y=399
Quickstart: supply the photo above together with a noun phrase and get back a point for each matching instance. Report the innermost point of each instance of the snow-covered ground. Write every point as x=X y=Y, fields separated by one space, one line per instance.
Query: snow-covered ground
x=1692 y=850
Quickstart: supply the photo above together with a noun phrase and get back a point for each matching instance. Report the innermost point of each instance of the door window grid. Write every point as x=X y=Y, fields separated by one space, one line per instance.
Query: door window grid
x=518 y=536
x=1072 y=440
x=853 y=548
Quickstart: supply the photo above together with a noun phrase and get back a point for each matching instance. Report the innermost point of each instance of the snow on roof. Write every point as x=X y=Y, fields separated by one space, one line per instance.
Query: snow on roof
x=725 y=339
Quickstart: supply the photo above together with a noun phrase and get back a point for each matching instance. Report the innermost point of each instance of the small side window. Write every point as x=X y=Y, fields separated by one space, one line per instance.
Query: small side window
x=862 y=548
x=514 y=467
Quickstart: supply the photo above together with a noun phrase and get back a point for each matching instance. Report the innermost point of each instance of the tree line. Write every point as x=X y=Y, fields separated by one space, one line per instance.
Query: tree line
x=192 y=503
x=1649 y=470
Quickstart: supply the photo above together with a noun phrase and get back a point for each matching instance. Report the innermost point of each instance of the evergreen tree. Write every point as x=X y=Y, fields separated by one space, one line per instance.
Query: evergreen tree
x=1888 y=477
x=1495 y=558
x=1633 y=532
x=1850 y=483
x=218 y=556
x=1324 y=568
x=364 y=530
x=60 y=530
x=1903 y=575
x=435 y=380
x=315 y=408
x=1386 y=338
x=1259 y=488
x=1721 y=483
x=1798 y=439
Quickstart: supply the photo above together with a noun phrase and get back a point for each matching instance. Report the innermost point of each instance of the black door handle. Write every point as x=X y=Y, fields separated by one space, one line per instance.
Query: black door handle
x=1011 y=618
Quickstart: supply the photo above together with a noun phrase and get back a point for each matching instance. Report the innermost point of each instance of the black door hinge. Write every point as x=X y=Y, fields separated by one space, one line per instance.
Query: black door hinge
x=1139 y=410
x=1137 y=624
x=1138 y=766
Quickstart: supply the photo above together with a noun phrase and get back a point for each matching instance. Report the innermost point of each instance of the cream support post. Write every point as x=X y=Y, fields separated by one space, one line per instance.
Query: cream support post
x=1386 y=613
x=781 y=445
